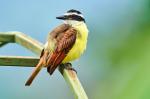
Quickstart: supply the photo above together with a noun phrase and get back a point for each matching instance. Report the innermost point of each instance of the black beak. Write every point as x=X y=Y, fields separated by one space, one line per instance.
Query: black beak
x=63 y=17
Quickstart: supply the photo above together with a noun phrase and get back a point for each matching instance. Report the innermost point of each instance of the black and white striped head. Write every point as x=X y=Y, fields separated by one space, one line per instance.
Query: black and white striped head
x=72 y=15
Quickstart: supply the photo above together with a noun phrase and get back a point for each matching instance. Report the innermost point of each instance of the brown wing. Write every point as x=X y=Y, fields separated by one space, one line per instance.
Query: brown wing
x=58 y=30
x=45 y=54
x=65 y=41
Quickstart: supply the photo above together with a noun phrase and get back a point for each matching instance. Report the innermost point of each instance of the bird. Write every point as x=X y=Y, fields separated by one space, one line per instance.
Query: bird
x=65 y=43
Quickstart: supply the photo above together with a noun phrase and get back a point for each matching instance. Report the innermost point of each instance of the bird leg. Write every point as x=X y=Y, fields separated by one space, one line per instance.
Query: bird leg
x=68 y=66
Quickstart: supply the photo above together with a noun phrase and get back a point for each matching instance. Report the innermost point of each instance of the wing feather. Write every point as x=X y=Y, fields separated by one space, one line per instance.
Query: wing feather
x=52 y=58
x=65 y=41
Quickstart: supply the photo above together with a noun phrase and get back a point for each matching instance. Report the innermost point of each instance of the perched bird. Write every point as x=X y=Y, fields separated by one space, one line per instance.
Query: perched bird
x=65 y=43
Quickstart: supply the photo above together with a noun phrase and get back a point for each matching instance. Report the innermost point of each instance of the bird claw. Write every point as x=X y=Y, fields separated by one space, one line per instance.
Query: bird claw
x=68 y=66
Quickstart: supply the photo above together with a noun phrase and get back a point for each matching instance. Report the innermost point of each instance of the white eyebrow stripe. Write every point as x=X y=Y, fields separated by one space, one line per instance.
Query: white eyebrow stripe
x=74 y=14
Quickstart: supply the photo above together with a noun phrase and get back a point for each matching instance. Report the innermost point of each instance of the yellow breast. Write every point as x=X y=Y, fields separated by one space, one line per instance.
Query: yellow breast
x=80 y=44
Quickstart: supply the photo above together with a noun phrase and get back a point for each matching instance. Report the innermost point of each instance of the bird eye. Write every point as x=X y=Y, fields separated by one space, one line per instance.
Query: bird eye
x=70 y=18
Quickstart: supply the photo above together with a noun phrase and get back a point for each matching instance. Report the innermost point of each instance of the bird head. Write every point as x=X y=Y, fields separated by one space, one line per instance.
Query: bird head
x=72 y=17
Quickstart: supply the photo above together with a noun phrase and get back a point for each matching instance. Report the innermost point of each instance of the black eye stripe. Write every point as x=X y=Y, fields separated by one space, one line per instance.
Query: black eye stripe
x=75 y=17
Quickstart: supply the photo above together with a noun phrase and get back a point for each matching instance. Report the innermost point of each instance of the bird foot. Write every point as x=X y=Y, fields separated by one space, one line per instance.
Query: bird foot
x=68 y=66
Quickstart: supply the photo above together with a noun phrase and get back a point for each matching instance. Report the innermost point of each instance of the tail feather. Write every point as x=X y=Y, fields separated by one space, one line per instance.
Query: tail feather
x=34 y=74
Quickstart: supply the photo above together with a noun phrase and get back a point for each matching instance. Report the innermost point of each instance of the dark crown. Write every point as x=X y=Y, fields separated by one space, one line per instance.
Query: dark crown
x=72 y=11
x=72 y=15
x=78 y=16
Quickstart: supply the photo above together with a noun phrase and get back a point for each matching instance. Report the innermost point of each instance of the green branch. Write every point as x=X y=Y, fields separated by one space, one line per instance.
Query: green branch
x=2 y=44
x=20 y=61
x=36 y=47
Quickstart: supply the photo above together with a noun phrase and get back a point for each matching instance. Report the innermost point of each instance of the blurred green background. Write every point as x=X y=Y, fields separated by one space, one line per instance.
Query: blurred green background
x=115 y=64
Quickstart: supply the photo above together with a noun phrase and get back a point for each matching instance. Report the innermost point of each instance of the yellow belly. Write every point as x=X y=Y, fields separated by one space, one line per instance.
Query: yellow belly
x=79 y=46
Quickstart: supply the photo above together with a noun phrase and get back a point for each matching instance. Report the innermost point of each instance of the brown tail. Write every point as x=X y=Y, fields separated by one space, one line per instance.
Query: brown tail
x=34 y=74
